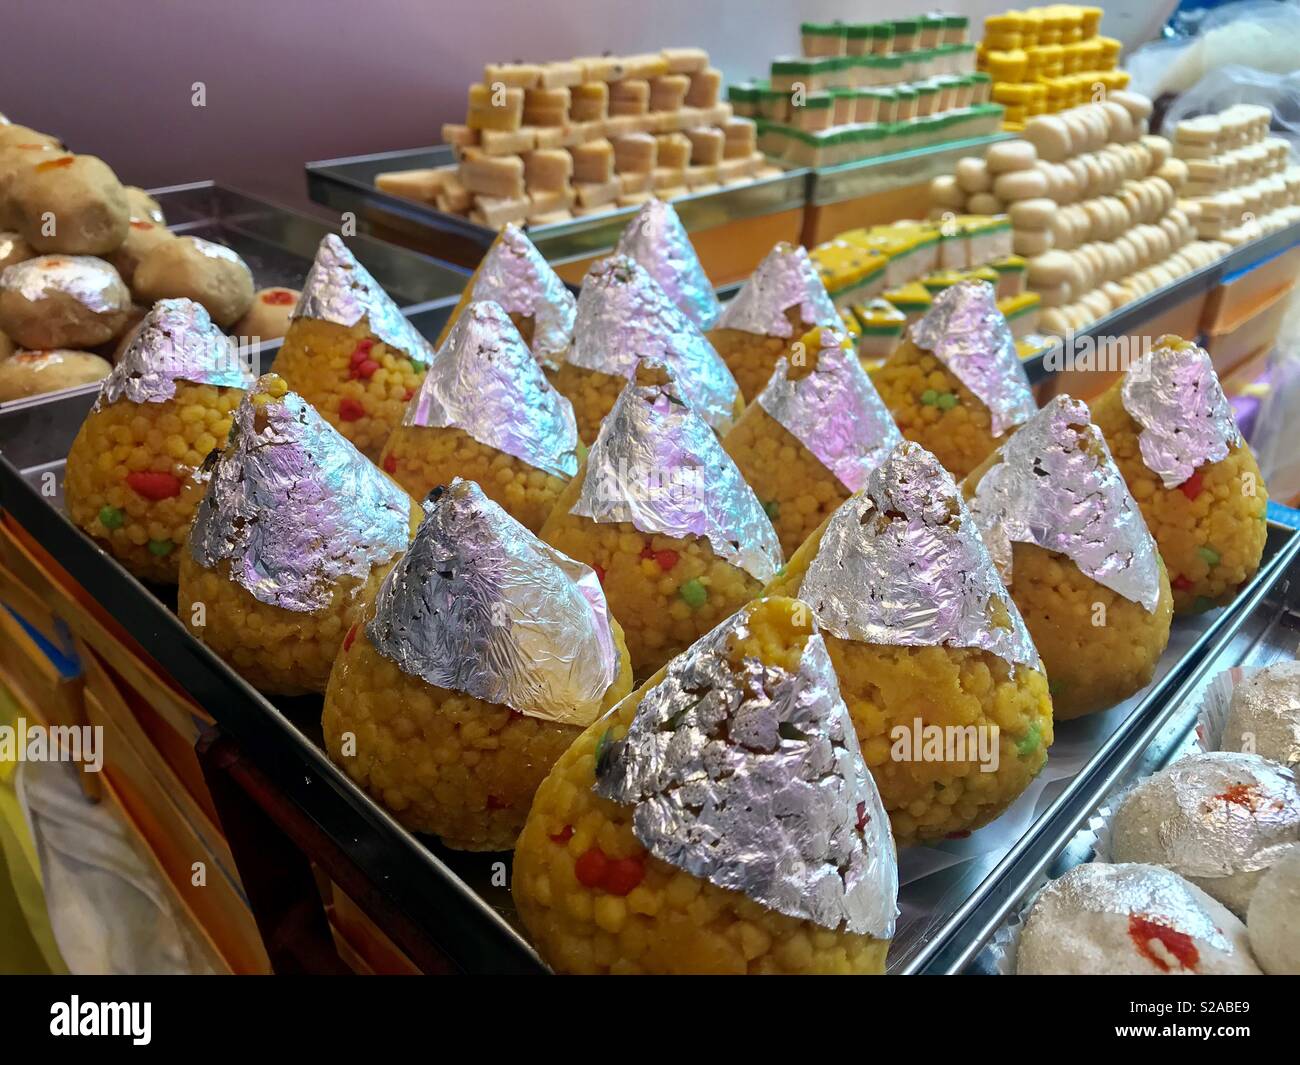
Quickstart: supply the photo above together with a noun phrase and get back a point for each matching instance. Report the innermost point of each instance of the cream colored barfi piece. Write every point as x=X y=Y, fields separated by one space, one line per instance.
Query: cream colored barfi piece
x=635 y=199
x=706 y=146
x=454 y=197
x=597 y=193
x=698 y=176
x=668 y=93
x=602 y=67
x=422 y=185
x=685 y=60
x=564 y=75
x=638 y=152
x=645 y=65
x=546 y=107
x=495 y=211
x=501 y=107
x=674 y=149
x=547 y=170
x=706 y=85
x=631 y=96
x=589 y=102
x=458 y=135
x=633 y=182
x=497 y=176
x=593 y=162
x=550 y=218
x=508 y=141
x=741 y=138
x=548 y=201
x=515 y=75
x=668 y=177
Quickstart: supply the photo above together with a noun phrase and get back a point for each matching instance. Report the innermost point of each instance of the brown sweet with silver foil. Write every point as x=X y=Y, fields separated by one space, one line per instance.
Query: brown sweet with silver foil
x=1220 y=819
x=783 y=299
x=748 y=775
x=657 y=240
x=514 y=275
x=293 y=508
x=340 y=290
x=1054 y=484
x=481 y=606
x=1130 y=920
x=902 y=563
x=657 y=465
x=63 y=301
x=833 y=410
x=1186 y=421
x=967 y=333
x=176 y=341
x=486 y=383
x=623 y=317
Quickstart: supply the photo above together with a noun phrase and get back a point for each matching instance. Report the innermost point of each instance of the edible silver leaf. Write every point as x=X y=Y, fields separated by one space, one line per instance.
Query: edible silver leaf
x=657 y=240
x=479 y=605
x=485 y=382
x=784 y=279
x=752 y=778
x=91 y=282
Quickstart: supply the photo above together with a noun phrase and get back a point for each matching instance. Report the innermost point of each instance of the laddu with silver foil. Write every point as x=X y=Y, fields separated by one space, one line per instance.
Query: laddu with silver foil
x=294 y=507
x=485 y=382
x=785 y=279
x=1186 y=421
x=479 y=605
x=176 y=341
x=902 y=563
x=752 y=778
x=658 y=465
x=834 y=411
x=624 y=316
x=339 y=289
x=966 y=332
x=1055 y=484
x=657 y=240
x=90 y=281
x=514 y=275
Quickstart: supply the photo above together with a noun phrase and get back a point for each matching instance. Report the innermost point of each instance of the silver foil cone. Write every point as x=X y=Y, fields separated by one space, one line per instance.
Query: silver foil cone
x=657 y=240
x=514 y=275
x=294 y=507
x=339 y=289
x=1224 y=813
x=753 y=780
x=658 y=465
x=624 y=316
x=485 y=382
x=176 y=341
x=786 y=278
x=1186 y=420
x=479 y=605
x=91 y=282
x=966 y=332
x=1056 y=485
x=834 y=411
x=902 y=563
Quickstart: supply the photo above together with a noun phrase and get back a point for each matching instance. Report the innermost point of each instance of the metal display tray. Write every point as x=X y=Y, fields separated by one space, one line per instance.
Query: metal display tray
x=348 y=184
x=1264 y=628
x=279 y=244
x=454 y=897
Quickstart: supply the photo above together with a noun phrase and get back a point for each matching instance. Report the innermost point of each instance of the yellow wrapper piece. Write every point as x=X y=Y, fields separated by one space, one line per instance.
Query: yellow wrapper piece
x=888 y=687
x=670 y=921
x=278 y=651
x=914 y=385
x=171 y=438
x=665 y=592
x=795 y=487
x=1211 y=529
x=442 y=761
x=322 y=362
x=420 y=458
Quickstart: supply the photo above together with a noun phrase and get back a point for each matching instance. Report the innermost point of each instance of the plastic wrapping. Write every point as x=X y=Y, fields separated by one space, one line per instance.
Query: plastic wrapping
x=1235 y=84
x=1276 y=439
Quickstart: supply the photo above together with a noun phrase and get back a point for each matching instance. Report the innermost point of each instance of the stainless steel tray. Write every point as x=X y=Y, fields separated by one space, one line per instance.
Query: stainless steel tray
x=451 y=894
x=1263 y=627
x=348 y=184
x=278 y=244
